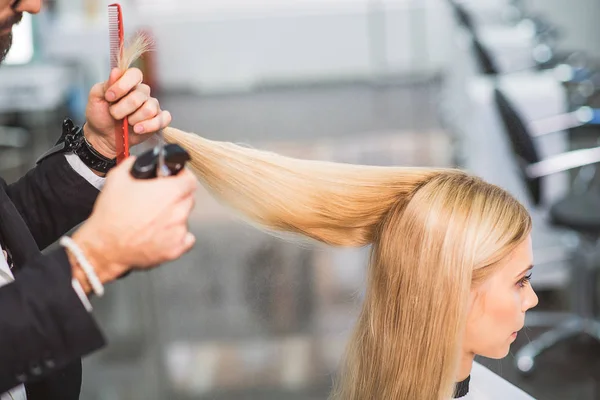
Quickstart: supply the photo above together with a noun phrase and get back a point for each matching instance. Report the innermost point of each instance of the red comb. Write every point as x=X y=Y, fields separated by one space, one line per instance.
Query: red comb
x=116 y=36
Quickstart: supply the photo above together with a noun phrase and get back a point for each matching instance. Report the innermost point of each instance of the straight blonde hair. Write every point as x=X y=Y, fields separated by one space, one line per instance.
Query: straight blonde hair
x=434 y=235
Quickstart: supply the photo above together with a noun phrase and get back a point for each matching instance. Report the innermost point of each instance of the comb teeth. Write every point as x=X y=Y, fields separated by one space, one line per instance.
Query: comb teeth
x=115 y=31
x=116 y=34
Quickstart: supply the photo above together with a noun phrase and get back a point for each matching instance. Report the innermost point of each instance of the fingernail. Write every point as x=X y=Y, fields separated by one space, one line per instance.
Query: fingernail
x=138 y=129
x=189 y=240
x=110 y=95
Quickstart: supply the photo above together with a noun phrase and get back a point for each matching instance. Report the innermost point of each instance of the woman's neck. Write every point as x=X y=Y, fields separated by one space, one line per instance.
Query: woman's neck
x=464 y=368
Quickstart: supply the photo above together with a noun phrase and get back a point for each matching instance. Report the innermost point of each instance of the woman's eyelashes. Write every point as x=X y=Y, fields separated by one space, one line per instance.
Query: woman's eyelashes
x=524 y=280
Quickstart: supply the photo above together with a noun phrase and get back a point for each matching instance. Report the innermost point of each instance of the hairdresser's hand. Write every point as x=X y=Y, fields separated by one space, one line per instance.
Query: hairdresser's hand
x=137 y=223
x=123 y=95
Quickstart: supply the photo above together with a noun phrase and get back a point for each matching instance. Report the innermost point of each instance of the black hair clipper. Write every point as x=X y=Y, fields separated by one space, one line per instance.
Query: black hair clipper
x=162 y=160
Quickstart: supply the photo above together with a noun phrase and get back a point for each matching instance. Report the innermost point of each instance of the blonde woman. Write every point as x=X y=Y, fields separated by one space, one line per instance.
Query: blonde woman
x=449 y=271
x=450 y=260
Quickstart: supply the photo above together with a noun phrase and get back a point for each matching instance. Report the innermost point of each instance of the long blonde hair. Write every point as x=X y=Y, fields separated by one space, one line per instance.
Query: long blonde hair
x=435 y=233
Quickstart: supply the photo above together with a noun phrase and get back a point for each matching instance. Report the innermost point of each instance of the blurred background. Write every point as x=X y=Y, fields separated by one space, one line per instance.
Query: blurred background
x=507 y=89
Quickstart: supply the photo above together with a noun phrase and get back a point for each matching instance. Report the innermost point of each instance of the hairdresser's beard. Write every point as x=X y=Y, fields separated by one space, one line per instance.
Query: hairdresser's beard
x=5 y=44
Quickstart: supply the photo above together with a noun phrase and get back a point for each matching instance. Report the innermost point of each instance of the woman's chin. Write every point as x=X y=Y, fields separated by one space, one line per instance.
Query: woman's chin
x=497 y=354
x=500 y=351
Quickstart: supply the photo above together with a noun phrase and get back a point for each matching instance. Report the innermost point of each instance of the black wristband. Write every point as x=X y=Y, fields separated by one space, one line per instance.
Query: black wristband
x=73 y=140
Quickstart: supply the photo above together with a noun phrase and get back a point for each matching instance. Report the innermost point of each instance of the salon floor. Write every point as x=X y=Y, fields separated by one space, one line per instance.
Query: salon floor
x=248 y=316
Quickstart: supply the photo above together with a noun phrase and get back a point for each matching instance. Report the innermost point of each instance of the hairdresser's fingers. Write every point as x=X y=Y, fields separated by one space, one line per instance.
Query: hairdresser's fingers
x=97 y=92
x=188 y=242
x=188 y=205
x=183 y=184
x=149 y=110
x=129 y=104
x=181 y=212
x=142 y=87
x=191 y=204
x=130 y=79
x=183 y=242
x=114 y=76
x=160 y=121
x=176 y=189
x=123 y=167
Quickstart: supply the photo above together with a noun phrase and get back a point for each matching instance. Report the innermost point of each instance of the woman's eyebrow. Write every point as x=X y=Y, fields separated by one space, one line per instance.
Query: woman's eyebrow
x=526 y=269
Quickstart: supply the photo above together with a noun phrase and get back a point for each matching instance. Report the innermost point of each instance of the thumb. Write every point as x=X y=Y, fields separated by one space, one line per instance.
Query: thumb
x=127 y=163
x=114 y=76
x=125 y=166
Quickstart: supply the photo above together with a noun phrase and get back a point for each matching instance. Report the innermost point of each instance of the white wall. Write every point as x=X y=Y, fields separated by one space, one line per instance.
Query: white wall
x=345 y=41
x=219 y=45
x=209 y=47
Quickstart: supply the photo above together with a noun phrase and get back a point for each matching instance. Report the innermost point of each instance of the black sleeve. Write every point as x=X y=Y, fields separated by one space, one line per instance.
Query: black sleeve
x=43 y=323
x=52 y=198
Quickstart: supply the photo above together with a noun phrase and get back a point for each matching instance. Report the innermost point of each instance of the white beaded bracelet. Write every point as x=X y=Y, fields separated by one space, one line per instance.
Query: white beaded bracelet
x=97 y=286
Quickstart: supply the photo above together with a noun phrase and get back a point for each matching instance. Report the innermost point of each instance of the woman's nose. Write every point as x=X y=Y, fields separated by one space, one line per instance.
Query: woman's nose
x=531 y=300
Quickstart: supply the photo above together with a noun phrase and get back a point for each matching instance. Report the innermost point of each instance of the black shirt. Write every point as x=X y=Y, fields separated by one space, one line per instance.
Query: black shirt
x=462 y=388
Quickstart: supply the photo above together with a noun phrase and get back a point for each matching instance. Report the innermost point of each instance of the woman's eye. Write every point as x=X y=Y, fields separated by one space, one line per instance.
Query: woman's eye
x=524 y=280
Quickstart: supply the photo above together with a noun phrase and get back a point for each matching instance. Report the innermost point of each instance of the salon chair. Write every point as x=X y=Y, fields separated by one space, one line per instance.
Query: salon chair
x=515 y=13
x=576 y=68
x=507 y=12
x=483 y=58
x=578 y=212
x=463 y=17
x=581 y=116
x=581 y=76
